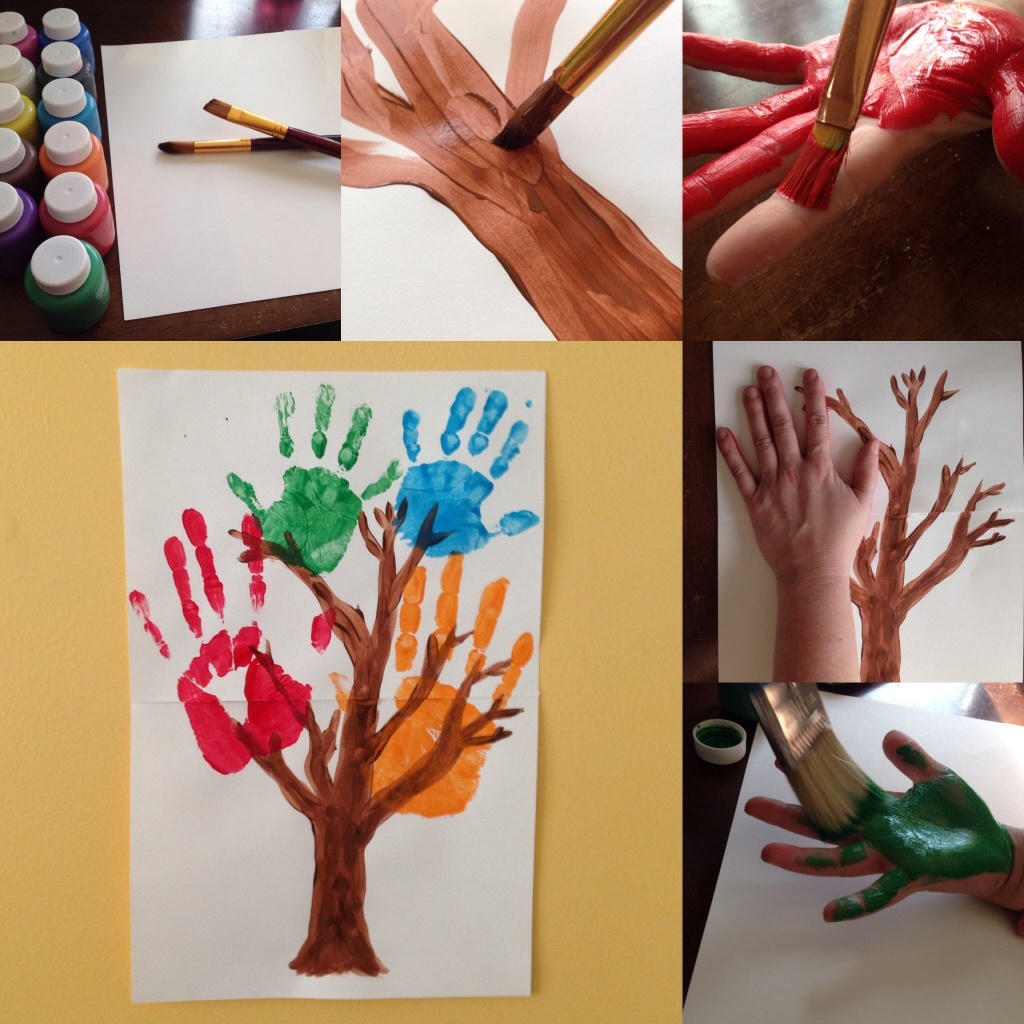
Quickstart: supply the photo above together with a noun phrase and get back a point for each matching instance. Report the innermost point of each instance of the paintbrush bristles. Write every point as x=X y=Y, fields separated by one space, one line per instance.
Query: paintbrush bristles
x=218 y=108
x=829 y=786
x=811 y=179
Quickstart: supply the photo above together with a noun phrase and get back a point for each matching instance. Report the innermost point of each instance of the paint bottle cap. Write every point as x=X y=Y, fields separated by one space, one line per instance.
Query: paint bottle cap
x=61 y=23
x=70 y=197
x=64 y=97
x=12 y=27
x=61 y=60
x=60 y=265
x=719 y=741
x=10 y=62
x=12 y=150
x=11 y=103
x=11 y=206
x=67 y=142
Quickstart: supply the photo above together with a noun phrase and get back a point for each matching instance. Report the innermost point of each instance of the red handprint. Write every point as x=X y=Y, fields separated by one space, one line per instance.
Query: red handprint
x=276 y=704
x=943 y=69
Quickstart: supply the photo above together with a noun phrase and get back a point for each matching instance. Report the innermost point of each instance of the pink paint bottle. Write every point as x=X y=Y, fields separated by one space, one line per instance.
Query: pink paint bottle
x=70 y=146
x=15 y=32
x=73 y=204
x=19 y=230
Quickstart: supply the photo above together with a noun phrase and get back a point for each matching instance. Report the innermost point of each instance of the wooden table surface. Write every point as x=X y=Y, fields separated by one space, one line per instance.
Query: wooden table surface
x=316 y=315
x=936 y=252
x=711 y=792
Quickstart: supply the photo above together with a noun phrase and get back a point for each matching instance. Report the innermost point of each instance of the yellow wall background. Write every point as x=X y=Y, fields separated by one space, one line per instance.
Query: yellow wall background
x=607 y=904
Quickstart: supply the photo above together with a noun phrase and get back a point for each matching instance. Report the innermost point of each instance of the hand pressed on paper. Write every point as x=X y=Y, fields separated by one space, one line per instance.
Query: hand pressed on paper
x=939 y=836
x=943 y=70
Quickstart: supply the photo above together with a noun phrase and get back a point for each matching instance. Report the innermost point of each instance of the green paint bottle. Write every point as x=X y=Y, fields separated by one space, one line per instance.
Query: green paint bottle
x=66 y=281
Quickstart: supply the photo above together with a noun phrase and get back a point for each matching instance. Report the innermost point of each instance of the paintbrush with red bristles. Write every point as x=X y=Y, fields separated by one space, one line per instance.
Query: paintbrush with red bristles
x=812 y=177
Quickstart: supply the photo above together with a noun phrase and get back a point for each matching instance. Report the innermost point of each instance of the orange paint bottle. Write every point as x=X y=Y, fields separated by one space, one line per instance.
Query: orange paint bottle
x=70 y=146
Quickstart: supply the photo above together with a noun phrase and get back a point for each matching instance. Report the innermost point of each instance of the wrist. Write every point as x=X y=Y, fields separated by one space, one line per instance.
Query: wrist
x=1011 y=892
x=818 y=582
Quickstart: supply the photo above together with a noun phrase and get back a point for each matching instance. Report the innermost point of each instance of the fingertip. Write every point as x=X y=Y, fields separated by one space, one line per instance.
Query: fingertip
x=723 y=434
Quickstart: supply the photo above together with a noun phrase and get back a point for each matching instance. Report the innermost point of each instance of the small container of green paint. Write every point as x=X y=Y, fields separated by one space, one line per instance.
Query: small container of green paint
x=719 y=741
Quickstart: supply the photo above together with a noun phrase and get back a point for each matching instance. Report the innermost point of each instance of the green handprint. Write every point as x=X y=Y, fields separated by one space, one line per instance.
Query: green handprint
x=318 y=508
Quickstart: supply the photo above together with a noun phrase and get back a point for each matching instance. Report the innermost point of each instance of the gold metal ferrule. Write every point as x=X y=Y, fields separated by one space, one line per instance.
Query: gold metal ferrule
x=261 y=124
x=222 y=145
x=615 y=30
x=854 y=62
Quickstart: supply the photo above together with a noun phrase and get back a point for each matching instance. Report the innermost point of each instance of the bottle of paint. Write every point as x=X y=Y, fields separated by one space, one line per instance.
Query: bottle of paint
x=66 y=281
x=19 y=230
x=74 y=204
x=64 y=60
x=19 y=164
x=15 y=32
x=19 y=71
x=64 y=99
x=70 y=146
x=61 y=25
x=18 y=113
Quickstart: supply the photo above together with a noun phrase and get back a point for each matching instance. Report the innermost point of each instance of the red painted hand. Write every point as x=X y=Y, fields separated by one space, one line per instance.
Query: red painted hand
x=276 y=705
x=943 y=70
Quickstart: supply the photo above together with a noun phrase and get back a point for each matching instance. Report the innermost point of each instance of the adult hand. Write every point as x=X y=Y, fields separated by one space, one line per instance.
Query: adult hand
x=939 y=836
x=943 y=70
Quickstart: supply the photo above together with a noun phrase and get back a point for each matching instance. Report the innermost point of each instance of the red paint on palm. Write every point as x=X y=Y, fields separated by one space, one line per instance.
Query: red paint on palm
x=213 y=729
x=252 y=534
x=321 y=630
x=277 y=705
x=174 y=552
x=195 y=530
x=141 y=608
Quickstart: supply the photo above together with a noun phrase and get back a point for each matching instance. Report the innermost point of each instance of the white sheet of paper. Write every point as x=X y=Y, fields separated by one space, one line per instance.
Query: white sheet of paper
x=202 y=230
x=768 y=955
x=971 y=625
x=221 y=865
x=621 y=136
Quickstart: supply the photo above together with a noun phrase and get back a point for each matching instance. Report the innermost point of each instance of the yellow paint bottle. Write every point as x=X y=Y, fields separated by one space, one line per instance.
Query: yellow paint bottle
x=18 y=113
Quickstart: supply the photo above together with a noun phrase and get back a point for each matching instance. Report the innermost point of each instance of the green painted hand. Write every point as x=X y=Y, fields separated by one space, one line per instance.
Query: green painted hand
x=939 y=836
x=318 y=509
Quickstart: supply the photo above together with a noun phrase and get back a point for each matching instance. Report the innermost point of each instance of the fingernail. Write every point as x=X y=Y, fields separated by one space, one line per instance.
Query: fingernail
x=811 y=375
x=722 y=433
x=765 y=372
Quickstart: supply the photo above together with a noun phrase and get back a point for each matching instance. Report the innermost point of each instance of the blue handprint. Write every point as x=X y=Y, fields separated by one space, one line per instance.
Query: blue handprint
x=456 y=488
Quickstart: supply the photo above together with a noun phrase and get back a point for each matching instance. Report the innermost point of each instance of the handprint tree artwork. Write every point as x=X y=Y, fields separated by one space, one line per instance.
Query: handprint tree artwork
x=361 y=764
x=879 y=588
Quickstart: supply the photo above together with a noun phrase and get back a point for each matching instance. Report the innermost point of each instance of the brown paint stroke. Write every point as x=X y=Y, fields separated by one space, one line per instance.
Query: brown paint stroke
x=879 y=589
x=586 y=268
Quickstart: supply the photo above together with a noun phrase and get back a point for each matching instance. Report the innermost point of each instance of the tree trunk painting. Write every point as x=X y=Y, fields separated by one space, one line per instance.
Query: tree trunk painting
x=879 y=588
x=586 y=268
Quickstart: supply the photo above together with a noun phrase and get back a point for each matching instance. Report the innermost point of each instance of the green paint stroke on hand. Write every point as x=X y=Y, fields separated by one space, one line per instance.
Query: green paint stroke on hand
x=910 y=755
x=853 y=854
x=816 y=860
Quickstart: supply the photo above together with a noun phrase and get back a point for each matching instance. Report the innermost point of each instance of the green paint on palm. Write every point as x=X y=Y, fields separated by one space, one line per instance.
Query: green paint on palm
x=285 y=406
x=322 y=418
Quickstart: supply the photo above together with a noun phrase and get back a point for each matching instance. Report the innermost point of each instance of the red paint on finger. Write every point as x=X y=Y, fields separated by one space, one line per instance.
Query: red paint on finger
x=322 y=630
x=214 y=656
x=174 y=552
x=195 y=530
x=252 y=534
x=141 y=608
x=247 y=639
x=763 y=62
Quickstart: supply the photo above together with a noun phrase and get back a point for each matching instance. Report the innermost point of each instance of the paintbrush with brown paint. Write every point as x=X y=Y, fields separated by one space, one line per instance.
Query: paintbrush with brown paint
x=296 y=136
x=261 y=144
x=616 y=29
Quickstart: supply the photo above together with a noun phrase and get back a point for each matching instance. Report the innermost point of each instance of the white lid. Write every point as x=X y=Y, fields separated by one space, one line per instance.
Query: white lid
x=11 y=102
x=11 y=206
x=12 y=27
x=12 y=150
x=721 y=755
x=60 y=265
x=61 y=60
x=68 y=142
x=61 y=23
x=10 y=62
x=70 y=197
x=64 y=97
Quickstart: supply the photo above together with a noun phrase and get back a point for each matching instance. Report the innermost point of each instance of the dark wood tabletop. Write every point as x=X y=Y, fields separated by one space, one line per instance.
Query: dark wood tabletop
x=316 y=315
x=711 y=792
x=936 y=252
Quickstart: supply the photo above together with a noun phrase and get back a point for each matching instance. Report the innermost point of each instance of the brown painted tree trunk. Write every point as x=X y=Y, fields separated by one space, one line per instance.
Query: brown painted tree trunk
x=338 y=941
x=880 y=651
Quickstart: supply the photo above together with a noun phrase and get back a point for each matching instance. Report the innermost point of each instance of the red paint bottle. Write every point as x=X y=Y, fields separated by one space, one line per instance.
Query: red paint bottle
x=73 y=204
x=70 y=146
x=15 y=32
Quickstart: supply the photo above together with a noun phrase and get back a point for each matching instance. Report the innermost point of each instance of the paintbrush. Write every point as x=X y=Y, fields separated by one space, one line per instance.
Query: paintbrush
x=230 y=145
x=618 y=27
x=812 y=177
x=236 y=115
x=833 y=791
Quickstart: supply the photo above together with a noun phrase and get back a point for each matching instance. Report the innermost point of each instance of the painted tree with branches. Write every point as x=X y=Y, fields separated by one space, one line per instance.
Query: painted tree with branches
x=879 y=588
x=586 y=268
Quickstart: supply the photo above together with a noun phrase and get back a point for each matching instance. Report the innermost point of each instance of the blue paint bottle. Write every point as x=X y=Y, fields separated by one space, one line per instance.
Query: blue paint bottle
x=64 y=99
x=61 y=25
x=63 y=60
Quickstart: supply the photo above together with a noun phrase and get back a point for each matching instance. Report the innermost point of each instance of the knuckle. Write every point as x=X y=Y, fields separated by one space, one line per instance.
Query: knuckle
x=764 y=442
x=817 y=419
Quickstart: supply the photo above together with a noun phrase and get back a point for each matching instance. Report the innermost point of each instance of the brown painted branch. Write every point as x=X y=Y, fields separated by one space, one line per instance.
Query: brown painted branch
x=295 y=792
x=315 y=764
x=947 y=487
x=531 y=47
x=483 y=741
x=495 y=711
x=371 y=542
x=866 y=551
x=938 y=396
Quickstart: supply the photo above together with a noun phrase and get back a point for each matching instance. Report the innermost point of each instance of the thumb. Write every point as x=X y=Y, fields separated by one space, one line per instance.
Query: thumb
x=865 y=472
